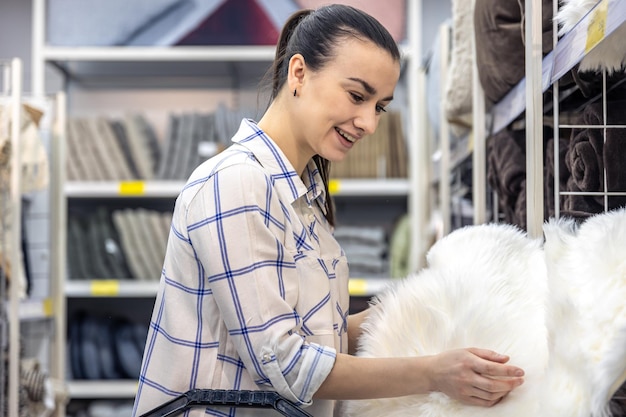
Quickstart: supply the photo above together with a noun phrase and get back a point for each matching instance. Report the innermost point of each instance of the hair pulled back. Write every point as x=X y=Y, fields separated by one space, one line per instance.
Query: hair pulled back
x=314 y=34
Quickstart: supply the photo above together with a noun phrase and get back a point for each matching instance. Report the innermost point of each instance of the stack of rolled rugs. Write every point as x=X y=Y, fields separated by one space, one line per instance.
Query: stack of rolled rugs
x=591 y=161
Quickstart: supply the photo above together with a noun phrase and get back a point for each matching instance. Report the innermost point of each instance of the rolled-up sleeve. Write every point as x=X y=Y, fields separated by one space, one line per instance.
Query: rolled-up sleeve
x=242 y=234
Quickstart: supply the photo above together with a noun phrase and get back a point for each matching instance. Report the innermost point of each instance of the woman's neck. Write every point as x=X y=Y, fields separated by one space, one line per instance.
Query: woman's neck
x=277 y=123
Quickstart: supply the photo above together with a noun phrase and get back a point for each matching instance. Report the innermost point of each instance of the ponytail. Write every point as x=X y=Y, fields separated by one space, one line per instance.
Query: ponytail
x=279 y=67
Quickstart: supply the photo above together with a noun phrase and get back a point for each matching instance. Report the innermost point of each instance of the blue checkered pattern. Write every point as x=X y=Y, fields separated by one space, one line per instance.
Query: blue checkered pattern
x=254 y=288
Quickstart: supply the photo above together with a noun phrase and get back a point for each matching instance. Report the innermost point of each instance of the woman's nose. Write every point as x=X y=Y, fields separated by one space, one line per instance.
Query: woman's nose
x=367 y=121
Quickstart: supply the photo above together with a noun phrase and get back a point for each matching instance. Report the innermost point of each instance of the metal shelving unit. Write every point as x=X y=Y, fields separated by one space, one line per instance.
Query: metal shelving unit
x=362 y=287
x=10 y=298
x=152 y=189
x=541 y=73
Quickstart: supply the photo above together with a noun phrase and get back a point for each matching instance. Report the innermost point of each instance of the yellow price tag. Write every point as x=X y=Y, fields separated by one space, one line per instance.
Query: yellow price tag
x=334 y=186
x=48 y=307
x=105 y=288
x=357 y=286
x=597 y=25
x=132 y=188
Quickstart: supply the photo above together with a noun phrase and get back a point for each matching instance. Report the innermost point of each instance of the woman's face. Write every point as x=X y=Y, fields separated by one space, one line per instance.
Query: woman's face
x=342 y=102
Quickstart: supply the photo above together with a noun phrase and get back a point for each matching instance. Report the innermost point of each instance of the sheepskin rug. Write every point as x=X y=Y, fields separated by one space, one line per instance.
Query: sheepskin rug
x=610 y=54
x=557 y=308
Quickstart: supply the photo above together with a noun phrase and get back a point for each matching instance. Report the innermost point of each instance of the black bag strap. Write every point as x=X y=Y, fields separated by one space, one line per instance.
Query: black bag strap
x=233 y=398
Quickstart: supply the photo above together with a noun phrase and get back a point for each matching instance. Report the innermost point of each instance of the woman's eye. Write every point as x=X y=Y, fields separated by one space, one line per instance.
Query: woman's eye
x=357 y=98
x=380 y=109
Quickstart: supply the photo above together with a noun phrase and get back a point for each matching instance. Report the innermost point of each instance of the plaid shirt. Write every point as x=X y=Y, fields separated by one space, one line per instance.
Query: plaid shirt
x=254 y=287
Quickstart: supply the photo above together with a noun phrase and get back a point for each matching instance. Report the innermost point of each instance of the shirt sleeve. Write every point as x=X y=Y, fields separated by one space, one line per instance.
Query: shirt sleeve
x=239 y=227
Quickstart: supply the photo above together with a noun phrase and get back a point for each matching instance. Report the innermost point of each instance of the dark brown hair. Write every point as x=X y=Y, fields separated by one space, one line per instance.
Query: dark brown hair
x=314 y=34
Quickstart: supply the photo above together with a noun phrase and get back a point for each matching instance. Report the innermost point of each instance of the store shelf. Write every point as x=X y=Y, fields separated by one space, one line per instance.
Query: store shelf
x=360 y=287
x=160 y=54
x=111 y=288
x=35 y=309
x=595 y=26
x=233 y=53
x=151 y=189
x=367 y=287
x=102 y=389
x=123 y=189
x=369 y=187
x=160 y=67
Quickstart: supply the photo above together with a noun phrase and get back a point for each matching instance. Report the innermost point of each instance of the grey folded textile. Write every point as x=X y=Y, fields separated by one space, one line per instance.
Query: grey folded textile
x=190 y=152
x=142 y=241
x=79 y=266
x=142 y=248
x=182 y=145
x=126 y=349
x=104 y=328
x=120 y=135
x=129 y=244
x=99 y=142
x=167 y=157
x=73 y=164
x=74 y=362
x=89 y=167
x=150 y=237
x=89 y=349
x=110 y=146
x=152 y=142
x=97 y=252
x=112 y=254
x=139 y=147
x=94 y=150
x=105 y=347
x=161 y=231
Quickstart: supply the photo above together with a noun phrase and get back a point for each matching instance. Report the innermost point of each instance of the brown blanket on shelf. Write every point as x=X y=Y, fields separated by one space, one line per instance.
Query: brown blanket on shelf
x=506 y=173
x=549 y=172
x=595 y=152
x=499 y=40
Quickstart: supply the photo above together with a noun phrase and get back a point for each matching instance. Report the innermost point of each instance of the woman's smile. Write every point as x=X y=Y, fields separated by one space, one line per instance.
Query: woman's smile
x=346 y=140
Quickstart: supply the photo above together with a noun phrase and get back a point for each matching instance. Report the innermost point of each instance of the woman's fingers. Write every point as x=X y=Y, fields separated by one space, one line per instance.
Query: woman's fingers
x=482 y=402
x=489 y=355
x=493 y=364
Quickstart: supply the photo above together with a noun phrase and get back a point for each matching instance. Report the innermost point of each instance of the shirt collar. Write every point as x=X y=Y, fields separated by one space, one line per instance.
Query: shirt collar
x=282 y=173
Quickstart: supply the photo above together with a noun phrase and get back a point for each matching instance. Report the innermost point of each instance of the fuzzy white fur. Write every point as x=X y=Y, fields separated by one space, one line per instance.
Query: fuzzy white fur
x=610 y=54
x=556 y=309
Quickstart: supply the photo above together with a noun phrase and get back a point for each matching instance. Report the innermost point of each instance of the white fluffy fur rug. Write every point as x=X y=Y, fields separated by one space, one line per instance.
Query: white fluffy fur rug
x=557 y=309
x=610 y=54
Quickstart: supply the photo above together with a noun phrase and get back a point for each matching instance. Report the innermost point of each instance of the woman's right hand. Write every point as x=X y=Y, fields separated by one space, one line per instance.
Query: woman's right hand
x=474 y=376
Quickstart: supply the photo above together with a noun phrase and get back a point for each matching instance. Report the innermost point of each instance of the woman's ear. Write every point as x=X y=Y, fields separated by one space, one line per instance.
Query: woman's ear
x=296 y=71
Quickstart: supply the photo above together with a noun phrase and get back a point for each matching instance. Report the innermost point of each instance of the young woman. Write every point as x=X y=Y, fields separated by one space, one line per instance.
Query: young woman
x=254 y=288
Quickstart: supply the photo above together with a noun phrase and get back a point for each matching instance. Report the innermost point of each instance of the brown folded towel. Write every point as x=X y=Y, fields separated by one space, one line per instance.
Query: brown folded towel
x=548 y=196
x=584 y=159
x=580 y=206
x=590 y=154
x=506 y=169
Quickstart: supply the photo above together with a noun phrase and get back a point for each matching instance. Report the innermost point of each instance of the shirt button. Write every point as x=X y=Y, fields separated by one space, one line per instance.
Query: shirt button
x=311 y=218
x=266 y=357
